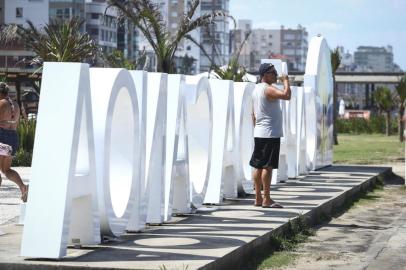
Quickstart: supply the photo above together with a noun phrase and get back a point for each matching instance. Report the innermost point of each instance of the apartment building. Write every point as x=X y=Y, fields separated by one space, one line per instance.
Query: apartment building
x=215 y=39
x=101 y=24
x=374 y=59
x=290 y=45
x=19 y=12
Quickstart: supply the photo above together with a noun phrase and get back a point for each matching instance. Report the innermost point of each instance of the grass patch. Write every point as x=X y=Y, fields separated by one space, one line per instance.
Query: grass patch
x=278 y=259
x=368 y=149
x=281 y=247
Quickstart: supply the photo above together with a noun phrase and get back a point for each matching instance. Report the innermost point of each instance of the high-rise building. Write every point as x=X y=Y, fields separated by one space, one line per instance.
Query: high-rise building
x=294 y=46
x=374 y=59
x=289 y=45
x=19 y=12
x=186 y=48
x=127 y=39
x=66 y=9
x=101 y=24
x=172 y=12
x=2 y=12
x=264 y=43
x=347 y=60
x=215 y=39
x=237 y=38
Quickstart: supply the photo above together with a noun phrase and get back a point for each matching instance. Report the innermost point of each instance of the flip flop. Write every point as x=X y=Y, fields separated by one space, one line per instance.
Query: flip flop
x=274 y=205
x=257 y=205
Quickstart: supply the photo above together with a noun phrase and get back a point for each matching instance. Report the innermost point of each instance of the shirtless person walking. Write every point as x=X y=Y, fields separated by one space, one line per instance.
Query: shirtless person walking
x=9 y=117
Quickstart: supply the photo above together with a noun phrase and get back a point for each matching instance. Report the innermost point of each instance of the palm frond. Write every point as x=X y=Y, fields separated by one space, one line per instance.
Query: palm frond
x=8 y=35
x=335 y=60
x=383 y=98
x=401 y=89
x=59 y=41
x=146 y=16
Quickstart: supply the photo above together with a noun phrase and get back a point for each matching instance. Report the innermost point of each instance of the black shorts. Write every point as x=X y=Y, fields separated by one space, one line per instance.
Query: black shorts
x=266 y=153
x=10 y=137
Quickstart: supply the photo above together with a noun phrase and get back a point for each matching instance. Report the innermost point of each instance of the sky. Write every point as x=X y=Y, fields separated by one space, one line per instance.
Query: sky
x=348 y=23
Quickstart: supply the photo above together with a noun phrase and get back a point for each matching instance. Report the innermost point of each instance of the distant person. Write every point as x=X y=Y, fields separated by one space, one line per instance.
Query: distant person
x=9 y=117
x=341 y=108
x=267 y=118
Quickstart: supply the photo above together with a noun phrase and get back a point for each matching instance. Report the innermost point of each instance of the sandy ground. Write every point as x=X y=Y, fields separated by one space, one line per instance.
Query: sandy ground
x=371 y=235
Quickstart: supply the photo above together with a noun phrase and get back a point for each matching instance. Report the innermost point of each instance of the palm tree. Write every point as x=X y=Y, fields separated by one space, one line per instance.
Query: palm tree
x=58 y=41
x=117 y=60
x=401 y=90
x=335 y=63
x=233 y=70
x=384 y=101
x=146 y=16
x=186 y=65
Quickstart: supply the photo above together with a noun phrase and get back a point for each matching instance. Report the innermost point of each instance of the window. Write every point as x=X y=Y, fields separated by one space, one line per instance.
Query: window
x=95 y=16
x=59 y=13
x=67 y=13
x=94 y=31
x=19 y=12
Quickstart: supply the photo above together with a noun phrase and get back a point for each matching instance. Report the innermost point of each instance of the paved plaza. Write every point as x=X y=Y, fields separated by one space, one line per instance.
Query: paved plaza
x=215 y=237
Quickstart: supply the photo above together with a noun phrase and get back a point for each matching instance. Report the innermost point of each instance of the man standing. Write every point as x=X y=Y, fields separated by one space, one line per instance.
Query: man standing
x=9 y=117
x=267 y=118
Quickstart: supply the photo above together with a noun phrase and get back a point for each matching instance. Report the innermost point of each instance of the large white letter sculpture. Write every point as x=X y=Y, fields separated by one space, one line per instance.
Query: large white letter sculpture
x=139 y=213
x=156 y=146
x=244 y=132
x=151 y=154
x=318 y=76
x=117 y=131
x=223 y=159
x=199 y=126
x=63 y=200
x=177 y=170
x=182 y=193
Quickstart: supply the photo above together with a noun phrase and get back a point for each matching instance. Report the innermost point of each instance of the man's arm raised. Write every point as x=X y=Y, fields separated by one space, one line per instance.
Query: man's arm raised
x=273 y=93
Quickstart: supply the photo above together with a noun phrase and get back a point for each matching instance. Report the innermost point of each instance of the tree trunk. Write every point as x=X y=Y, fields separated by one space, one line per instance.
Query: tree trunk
x=401 y=124
x=335 y=111
x=388 y=129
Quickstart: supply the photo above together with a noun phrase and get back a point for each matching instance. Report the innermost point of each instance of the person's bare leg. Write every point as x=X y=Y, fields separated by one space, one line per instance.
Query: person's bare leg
x=266 y=182
x=256 y=176
x=5 y=166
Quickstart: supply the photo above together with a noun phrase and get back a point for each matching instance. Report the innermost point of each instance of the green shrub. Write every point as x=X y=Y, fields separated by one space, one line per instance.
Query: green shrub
x=26 y=135
x=22 y=159
x=376 y=124
x=353 y=125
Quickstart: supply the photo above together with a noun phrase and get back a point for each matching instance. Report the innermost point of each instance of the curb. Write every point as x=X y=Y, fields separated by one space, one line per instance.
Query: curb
x=237 y=258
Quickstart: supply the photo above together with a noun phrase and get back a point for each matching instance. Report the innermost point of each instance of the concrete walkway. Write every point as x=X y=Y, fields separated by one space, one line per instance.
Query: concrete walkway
x=220 y=237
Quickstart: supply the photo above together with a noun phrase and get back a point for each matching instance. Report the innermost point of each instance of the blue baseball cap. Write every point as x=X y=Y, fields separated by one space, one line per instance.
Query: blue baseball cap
x=265 y=67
